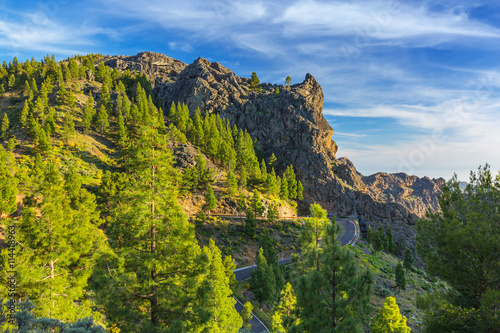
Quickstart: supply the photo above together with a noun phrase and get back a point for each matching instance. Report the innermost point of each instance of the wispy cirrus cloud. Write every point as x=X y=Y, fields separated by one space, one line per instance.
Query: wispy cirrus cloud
x=36 y=31
x=380 y=20
x=421 y=66
x=364 y=22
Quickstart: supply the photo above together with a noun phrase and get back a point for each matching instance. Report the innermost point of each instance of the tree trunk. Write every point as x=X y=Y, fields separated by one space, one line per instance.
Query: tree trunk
x=154 y=297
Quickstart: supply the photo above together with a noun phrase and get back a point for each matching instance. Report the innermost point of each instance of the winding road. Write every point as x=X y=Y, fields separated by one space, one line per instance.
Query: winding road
x=347 y=234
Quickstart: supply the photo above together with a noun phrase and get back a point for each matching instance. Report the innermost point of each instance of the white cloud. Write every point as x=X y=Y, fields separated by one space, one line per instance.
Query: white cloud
x=37 y=32
x=350 y=135
x=378 y=20
x=353 y=48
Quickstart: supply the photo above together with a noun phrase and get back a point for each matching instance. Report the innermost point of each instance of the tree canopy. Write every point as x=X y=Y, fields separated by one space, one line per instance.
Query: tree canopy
x=461 y=245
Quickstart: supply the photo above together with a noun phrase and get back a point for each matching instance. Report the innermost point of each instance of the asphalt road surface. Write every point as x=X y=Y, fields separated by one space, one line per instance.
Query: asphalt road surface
x=347 y=233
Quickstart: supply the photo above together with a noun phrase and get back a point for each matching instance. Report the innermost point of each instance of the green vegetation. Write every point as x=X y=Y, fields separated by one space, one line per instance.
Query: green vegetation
x=389 y=319
x=255 y=83
x=90 y=181
x=326 y=274
x=246 y=315
x=461 y=245
x=99 y=199
x=284 y=316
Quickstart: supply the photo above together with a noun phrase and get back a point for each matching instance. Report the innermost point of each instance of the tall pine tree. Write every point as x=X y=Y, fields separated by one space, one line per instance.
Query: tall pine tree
x=327 y=274
x=58 y=243
x=150 y=280
x=215 y=296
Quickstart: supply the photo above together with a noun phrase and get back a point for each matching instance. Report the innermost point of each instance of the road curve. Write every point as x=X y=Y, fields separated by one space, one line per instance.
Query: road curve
x=347 y=233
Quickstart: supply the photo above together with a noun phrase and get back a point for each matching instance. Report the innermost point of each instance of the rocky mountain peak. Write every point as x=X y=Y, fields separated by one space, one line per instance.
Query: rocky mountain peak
x=158 y=67
x=291 y=125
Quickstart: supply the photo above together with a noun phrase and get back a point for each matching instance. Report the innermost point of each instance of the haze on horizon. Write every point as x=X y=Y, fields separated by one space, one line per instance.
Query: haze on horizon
x=411 y=87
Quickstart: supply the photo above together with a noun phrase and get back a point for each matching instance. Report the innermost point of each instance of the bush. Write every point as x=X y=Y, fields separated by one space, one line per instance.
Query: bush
x=382 y=291
x=200 y=219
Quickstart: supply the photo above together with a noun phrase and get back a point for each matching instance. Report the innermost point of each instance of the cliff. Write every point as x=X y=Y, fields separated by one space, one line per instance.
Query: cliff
x=291 y=125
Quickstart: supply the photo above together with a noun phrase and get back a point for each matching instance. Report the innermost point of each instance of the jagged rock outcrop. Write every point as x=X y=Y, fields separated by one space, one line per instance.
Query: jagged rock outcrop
x=416 y=194
x=291 y=125
x=158 y=67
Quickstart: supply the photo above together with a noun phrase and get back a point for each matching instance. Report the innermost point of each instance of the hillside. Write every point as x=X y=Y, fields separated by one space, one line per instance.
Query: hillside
x=291 y=125
x=108 y=159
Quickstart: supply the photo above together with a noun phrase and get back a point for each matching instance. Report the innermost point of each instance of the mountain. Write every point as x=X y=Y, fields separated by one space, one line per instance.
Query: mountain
x=291 y=125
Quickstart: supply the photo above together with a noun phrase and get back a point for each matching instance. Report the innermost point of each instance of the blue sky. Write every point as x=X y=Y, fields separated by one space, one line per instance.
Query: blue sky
x=410 y=86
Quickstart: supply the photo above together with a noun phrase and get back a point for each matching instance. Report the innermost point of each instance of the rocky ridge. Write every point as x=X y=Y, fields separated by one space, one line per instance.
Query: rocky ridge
x=291 y=125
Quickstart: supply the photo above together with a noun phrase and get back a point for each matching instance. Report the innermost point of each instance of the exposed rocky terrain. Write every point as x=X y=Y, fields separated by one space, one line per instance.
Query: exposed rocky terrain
x=291 y=125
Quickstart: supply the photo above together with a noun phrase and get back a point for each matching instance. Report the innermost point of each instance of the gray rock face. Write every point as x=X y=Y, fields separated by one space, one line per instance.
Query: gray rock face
x=158 y=67
x=291 y=125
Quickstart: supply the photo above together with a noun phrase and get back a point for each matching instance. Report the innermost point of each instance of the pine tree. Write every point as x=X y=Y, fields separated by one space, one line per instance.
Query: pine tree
x=389 y=319
x=370 y=235
x=268 y=245
x=255 y=82
x=243 y=178
x=390 y=240
x=246 y=315
x=150 y=282
x=101 y=72
x=379 y=242
x=2 y=90
x=200 y=218
x=23 y=117
x=8 y=185
x=270 y=184
x=284 y=316
x=314 y=227
x=5 y=126
x=232 y=184
x=215 y=296
x=59 y=241
x=257 y=206
x=43 y=140
x=250 y=223
x=50 y=126
x=288 y=81
x=172 y=112
x=27 y=89
x=29 y=322
x=105 y=99
x=62 y=95
x=327 y=273
x=210 y=200
x=69 y=126
x=11 y=144
x=122 y=131
x=272 y=213
x=198 y=134
x=88 y=114
x=263 y=282
x=277 y=91
x=38 y=167
x=400 y=276
x=11 y=81
x=102 y=119
x=399 y=246
x=71 y=101
x=291 y=182
x=126 y=108
x=460 y=243
x=34 y=86
x=300 y=190
x=284 y=189
x=241 y=204
x=408 y=259
x=263 y=171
